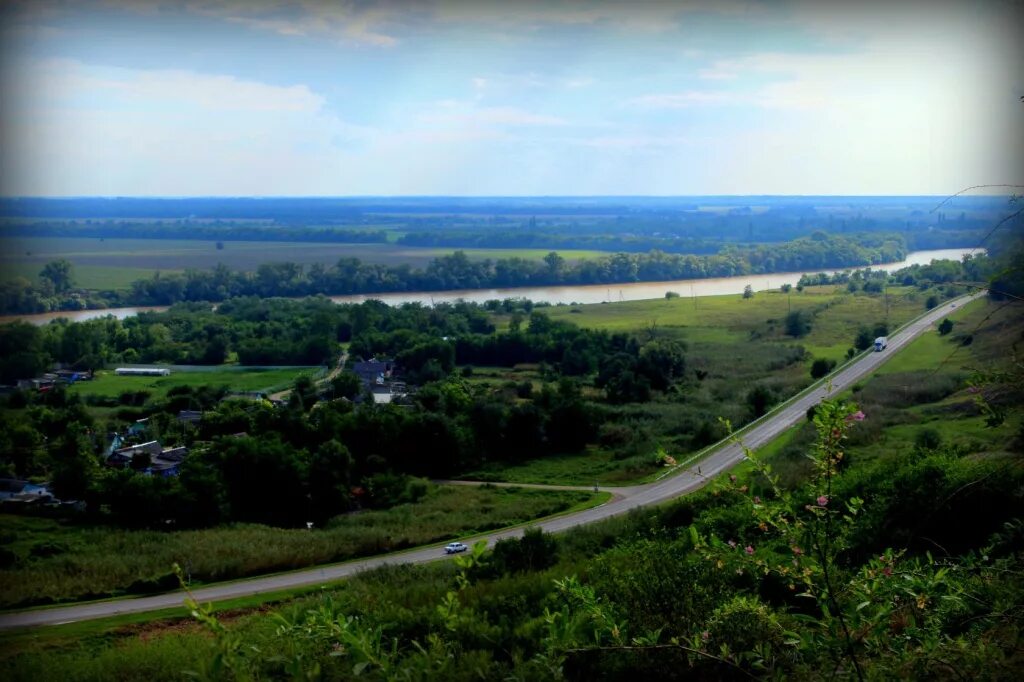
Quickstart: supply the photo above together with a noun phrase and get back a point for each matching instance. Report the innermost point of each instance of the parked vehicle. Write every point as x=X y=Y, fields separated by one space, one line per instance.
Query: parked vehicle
x=455 y=548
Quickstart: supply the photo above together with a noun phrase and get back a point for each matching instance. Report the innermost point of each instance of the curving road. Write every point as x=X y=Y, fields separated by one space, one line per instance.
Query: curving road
x=687 y=480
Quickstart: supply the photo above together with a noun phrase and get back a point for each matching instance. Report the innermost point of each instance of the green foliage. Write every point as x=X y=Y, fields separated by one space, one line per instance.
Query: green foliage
x=821 y=367
x=797 y=323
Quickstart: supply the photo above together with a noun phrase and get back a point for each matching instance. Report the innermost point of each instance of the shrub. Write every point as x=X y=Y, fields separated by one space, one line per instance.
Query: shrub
x=821 y=367
x=797 y=324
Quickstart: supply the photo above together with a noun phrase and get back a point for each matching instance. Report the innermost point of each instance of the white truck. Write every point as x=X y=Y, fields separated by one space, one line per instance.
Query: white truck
x=880 y=343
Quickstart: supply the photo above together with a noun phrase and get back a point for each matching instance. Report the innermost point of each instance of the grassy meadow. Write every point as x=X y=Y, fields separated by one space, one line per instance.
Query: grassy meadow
x=63 y=562
x=718 y=320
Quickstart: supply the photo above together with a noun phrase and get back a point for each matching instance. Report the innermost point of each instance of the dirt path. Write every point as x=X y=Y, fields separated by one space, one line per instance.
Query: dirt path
x=283 y=395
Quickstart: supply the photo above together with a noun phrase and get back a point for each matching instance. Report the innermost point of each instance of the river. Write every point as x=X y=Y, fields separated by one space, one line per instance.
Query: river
x=595 y=293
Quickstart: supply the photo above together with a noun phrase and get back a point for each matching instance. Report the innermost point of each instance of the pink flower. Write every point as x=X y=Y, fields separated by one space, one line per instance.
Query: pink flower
x=705 y=635
x=797 y=551
x=857 y=416
x=732 y=543
x=887 y=571
x=749 y=549
x=822 y=501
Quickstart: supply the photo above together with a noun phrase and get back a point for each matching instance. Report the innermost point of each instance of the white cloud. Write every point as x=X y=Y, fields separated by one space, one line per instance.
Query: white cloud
x=65 y=80
x=346 y=22
x=73 y=128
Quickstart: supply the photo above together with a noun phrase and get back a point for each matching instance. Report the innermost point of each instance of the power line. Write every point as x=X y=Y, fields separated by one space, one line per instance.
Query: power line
x=976 y=186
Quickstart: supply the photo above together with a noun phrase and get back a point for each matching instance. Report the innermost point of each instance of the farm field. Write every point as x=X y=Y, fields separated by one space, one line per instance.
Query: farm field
x=236 y=378
x=59 y=561
x=115 y=263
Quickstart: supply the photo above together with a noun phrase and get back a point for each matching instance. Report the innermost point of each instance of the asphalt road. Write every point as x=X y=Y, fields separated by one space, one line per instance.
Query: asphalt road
x=624 y=500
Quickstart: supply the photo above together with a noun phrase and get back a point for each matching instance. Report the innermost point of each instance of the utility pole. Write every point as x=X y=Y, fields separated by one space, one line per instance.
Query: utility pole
x=885 y=290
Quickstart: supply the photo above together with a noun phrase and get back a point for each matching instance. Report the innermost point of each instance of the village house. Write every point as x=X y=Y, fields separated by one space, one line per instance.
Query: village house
x=162 y=462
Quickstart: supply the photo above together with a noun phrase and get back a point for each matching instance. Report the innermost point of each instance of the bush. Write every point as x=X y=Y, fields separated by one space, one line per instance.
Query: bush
x=864 y=339
x=48 y=548
x=797 y=324
x=535 y=551
x=821 y=367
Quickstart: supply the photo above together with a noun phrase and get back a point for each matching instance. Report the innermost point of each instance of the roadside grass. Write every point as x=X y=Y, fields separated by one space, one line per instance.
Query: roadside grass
x=63 y=562
x=593 y=466
x=918 y=399
x=107 y=384
x=931 y=349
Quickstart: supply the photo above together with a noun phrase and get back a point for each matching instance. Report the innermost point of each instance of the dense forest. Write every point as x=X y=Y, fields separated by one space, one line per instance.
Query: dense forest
x=54 y=288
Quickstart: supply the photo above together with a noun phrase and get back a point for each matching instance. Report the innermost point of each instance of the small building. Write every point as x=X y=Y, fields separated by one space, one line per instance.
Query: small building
x=374 y=372
x=161 y=462
x=139 y=426
x=16 y=494
x=142 y=371
x=190 y=416
x=70 y=376
x=123 y=457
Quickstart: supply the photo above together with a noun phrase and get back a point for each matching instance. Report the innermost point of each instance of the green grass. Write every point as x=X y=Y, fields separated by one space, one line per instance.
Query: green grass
x=61 y=562
x=921 y=387
x=242 y=379
x=930 y=349
x=724 y=319
x=96 y=277
x=594 y=466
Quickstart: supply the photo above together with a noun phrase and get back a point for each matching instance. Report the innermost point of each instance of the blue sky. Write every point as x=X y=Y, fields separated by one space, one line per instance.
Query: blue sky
x=262 y=97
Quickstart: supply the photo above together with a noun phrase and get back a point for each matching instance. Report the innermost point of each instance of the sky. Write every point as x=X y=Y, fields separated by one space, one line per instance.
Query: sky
x=350 y=98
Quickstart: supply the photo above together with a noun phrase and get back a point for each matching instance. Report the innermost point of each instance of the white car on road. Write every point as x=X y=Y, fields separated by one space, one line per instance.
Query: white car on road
x=454 y=548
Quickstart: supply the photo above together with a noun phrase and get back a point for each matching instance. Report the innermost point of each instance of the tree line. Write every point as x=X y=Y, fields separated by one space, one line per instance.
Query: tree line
x=458 y=271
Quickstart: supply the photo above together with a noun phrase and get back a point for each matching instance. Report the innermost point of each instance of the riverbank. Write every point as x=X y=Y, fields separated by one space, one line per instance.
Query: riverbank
x=555 y=295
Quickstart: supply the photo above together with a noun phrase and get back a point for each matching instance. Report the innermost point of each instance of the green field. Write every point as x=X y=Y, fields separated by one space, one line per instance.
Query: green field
x=719 y=319
x=59 y=562
x=115 y=263
x=236 y=378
